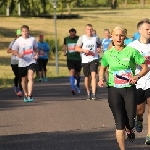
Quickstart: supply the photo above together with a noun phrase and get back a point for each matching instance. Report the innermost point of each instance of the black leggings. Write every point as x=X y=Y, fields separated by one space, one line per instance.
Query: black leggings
x=122 y=102
x=42 y=64
x=17 y=78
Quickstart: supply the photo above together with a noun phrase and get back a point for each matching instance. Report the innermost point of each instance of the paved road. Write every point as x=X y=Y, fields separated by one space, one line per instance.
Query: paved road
x=57 y=120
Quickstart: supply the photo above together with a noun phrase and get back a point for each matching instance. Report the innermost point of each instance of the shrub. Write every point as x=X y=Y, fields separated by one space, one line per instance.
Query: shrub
x=51 y=43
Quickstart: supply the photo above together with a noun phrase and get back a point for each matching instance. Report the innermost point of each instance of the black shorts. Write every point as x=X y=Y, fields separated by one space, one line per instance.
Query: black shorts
x=42 y=64
x=142 y=95
x=74 y=64
x=24 y=70
x=90 y=67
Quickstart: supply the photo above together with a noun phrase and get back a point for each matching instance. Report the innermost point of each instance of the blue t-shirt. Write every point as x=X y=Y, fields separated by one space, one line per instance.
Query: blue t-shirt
x=127 y=41
x=105 y=43
x=136 y=36
x=43 y=50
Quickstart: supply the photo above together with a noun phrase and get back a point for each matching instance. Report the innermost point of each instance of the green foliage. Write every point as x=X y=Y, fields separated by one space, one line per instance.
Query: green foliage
x=51 y=43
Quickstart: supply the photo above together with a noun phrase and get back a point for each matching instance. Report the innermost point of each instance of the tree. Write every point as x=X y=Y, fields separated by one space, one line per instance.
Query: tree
x=68 y=3
x=113 y=4
x=142 y=3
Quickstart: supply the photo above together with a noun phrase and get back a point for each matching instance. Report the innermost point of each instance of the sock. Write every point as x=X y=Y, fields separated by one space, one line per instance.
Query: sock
x=72 y=82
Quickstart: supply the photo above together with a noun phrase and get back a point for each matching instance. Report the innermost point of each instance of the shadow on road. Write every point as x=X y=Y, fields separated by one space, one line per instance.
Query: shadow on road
x=70 y=140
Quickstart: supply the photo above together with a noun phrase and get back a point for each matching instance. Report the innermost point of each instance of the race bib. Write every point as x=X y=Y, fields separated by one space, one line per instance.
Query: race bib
x=71 y=47
x=121 y=78
x=28 y=51
x=41 y=53
x=147 y=57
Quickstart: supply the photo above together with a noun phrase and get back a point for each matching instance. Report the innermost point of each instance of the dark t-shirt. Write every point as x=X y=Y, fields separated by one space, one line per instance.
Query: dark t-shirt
x=71 y=43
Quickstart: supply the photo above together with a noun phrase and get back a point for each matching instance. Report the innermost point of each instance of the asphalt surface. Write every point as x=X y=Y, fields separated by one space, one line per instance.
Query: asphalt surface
x=58 y=120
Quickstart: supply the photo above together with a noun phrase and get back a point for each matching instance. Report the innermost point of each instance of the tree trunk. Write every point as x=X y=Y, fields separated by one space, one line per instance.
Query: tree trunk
x=125 y=2
x=113 y=4
x=68 y=8
x=142 y=3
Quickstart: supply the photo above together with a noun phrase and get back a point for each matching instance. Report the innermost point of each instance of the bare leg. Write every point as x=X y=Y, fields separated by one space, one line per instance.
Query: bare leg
x=93 y=75
x=24 y=85
x=148 y=102
x=141 y=110
x=120 y=135
x=30 y=81
x=87 y=83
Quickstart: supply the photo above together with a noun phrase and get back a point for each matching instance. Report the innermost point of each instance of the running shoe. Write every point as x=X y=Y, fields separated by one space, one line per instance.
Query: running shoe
x=93 y=97
x=16 y=89
x=40 y=80
x=30 y=98
x=73 y=92
x=88 y=97
x=138 y=125
x=19 y=93
x=147 y=142
x=78 y=90
x=26 y=99
x=131 y=135
x=45 y=79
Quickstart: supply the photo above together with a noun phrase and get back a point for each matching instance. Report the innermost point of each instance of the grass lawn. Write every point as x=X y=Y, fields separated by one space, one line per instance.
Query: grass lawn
x=99 y=18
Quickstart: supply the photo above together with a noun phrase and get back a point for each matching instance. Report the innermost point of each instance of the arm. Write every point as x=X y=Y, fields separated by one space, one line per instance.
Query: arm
x=78 y=47
x=101 y=76
x=35 y=49
x=9 y=50
x=15 y=52
x=64 y=49
x=143 y=72
x=47 y=48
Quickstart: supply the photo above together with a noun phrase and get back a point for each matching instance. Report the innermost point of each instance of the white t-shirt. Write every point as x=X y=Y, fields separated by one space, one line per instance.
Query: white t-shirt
x=89 y=43
x=25 y=47
x=144 y=49
x=14 y=59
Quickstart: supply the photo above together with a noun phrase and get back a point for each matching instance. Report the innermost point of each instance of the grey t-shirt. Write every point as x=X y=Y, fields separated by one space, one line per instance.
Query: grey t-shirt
x=25 y=47
x=14 y=59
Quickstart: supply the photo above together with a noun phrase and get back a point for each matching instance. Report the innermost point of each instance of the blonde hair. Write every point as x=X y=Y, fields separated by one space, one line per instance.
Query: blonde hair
x=120 y=28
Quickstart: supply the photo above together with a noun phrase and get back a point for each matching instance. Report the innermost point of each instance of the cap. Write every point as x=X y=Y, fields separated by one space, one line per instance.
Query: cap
x=18 y=32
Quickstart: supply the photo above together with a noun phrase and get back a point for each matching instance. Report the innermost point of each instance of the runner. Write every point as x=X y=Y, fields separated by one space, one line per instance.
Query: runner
x=127 y=40
x=89 y=46
x=122 y=61
x=26 y=48
x=105 y=42
x=43 y=58
x=143 y=85
x=14 y=66
x=73 y=60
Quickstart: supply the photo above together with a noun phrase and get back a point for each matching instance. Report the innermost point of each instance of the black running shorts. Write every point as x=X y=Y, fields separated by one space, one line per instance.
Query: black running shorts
x=90 y=67
x=24 y=70
x=142 y=95
x=74 y=64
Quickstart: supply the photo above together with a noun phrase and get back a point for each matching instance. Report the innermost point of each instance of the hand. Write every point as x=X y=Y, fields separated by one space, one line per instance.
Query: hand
x=86 y=51
x=133 y=80
x=65 y=54
x=36 y=56
x=101 y=83
x=98 y=50
x=20 y=55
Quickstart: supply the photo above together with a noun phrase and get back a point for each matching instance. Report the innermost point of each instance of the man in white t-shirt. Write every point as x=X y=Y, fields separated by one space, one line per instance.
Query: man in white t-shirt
x=89 y=47
x=143 y=84
x=26 y=48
